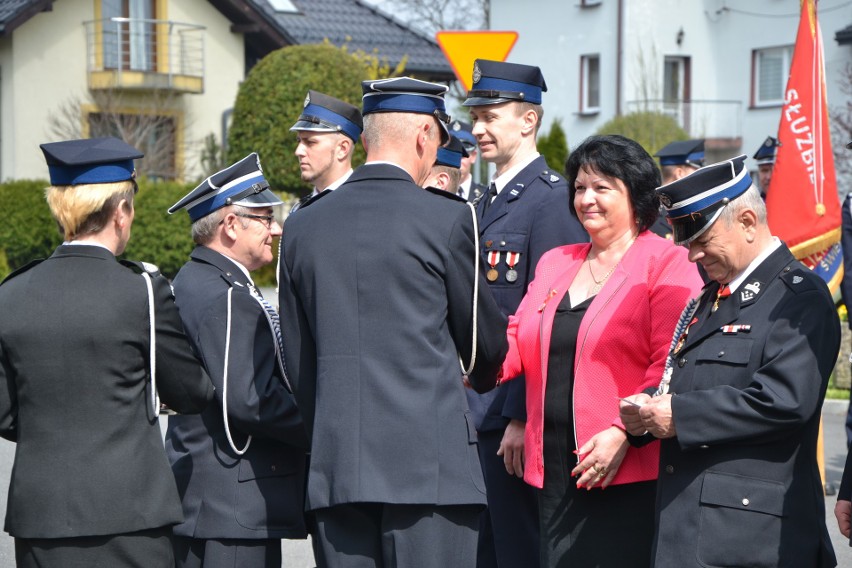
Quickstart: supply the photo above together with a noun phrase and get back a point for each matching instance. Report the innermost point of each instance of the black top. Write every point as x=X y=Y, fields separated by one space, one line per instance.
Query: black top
x=559 y=437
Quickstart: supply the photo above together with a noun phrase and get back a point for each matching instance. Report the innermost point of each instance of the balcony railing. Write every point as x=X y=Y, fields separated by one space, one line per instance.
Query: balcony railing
x=133 y=53
x=718 y=120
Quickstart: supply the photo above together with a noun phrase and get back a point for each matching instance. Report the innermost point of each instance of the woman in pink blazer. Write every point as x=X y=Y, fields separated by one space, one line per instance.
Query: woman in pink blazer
x=595 y=325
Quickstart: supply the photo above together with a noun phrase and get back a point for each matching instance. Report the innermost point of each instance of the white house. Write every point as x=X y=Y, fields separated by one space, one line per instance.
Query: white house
x=718 y=66
x=169 y=70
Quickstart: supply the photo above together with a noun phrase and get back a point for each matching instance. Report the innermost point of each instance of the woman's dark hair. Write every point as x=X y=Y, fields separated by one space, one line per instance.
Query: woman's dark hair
x=622 y=158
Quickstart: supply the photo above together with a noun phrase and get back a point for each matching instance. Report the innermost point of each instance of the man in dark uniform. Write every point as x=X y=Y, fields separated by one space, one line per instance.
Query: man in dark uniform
x=446 y=172
x=738 y=408
x=765 y=160
x=846 y=282
x=843 y=508
x=525 y=214
x=468 y=189
x=327 y=130
x=677 y=160
x=86 y=343
x=375 y=323
x=240 y=465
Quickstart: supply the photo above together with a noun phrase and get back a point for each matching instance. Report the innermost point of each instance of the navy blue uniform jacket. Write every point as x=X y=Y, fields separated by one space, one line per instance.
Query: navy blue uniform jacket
x=75 y=396
x=376 y=301
x=529 y=216
x=259 y=494
x=739 y=484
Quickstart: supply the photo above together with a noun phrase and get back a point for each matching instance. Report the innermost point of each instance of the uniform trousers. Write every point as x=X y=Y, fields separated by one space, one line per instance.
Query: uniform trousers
x=141 y=549
x=227 y=553
x=509 y=534
x=383 y=535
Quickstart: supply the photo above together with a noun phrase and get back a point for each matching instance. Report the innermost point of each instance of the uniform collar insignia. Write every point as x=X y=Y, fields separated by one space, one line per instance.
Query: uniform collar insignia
x=750 y=292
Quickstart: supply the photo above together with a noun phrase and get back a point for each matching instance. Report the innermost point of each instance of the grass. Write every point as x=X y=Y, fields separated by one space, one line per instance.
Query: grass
x=836 y=393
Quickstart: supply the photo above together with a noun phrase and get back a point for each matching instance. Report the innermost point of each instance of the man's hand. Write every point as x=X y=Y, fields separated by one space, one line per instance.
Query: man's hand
x=630 y=413
x=843 y=513
x=512 y=448
x=656 y=415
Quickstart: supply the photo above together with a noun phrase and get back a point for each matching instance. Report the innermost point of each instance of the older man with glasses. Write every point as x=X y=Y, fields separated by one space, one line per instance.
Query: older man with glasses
x=240 y=465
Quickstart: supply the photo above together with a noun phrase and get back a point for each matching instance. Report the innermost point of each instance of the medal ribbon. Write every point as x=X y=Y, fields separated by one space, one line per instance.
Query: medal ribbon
x=493 y=258
x=512 y=259
x=724 y=292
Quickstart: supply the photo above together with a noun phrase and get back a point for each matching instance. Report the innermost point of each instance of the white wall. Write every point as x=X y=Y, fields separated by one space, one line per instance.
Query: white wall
x=224 y=69
x=42 y=65
x=554 y=33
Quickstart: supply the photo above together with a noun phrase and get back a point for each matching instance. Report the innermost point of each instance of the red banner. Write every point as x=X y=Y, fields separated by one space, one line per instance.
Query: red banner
x=802 y=203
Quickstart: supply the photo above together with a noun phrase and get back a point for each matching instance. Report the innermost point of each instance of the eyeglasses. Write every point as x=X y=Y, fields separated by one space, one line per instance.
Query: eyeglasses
x=267 y=220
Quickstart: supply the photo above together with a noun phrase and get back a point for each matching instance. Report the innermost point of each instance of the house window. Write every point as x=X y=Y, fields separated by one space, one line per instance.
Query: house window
x=674 y=71
x=590 y=84
x=770 y=69
x=676 y=93
x=153 y=134
x=129 y=44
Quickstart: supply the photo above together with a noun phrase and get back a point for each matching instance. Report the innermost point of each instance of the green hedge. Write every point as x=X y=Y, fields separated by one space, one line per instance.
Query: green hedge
x=652 y=130
x=554 y=146
x=272 y=97
x=29 y=231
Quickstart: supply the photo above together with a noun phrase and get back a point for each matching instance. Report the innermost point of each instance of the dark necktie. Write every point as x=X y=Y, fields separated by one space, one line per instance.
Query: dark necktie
x=489 y=197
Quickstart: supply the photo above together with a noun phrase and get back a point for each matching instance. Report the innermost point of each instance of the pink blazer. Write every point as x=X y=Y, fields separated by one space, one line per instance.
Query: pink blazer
x=622 y=345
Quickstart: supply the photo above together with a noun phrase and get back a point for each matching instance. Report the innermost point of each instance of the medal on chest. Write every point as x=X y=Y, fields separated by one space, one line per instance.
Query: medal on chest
x=493 y=259
x=511 y=261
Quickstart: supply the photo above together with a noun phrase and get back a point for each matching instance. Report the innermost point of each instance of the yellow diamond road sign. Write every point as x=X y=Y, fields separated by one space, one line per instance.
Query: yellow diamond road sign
x=462 y=48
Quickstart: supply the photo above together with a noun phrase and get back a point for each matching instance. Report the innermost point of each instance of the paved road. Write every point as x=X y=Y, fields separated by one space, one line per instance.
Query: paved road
x=297 y=554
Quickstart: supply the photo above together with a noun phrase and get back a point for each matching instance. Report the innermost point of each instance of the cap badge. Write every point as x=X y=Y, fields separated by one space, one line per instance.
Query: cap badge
x=307 y=99
x=477 y=74
x=456 y=126
x=257 y=159
x=665 y=200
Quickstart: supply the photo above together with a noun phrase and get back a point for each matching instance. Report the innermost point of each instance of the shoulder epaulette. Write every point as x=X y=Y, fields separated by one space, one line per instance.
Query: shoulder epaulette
x=799 y=279
x=551 y=177
x=444 y=193
x=140 y=267
x=22 y=269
